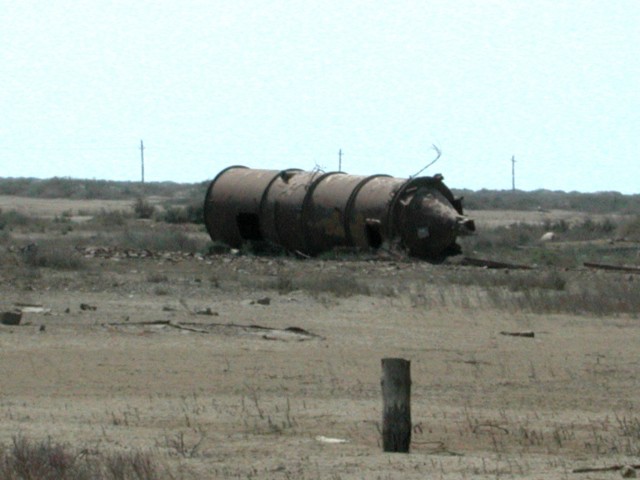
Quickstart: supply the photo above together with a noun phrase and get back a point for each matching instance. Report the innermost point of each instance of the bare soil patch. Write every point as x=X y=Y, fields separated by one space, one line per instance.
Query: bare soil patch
x=183 y=358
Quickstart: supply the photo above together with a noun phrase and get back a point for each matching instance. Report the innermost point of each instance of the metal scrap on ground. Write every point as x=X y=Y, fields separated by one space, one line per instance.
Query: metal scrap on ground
x=267 y=333
x=528 y=334
x=478 y=262
x=617 y=268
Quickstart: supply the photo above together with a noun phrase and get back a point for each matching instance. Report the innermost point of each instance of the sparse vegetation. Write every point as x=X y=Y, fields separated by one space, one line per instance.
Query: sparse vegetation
x=226 y=385
x=12 y=219
x=94 y=189
x=598 y=299
x=52 y=253
x=631 y=229
x=160 y=240
x=142 y=208
x=46 y=460
x=601 y=202
x=339 y=285
x=192 y=213
x=573 y=245
x=112 y=218
x=513 y=281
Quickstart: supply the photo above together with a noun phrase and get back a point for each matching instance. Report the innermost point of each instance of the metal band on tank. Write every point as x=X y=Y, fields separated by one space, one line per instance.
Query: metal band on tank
x=351 y=201
x=208 y=196
x=263 y=201
x=391 y=220
x=305 y=207
x=419 y=182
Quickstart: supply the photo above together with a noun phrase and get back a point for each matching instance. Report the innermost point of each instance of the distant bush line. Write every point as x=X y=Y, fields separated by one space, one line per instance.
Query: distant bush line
x=185 y=193
x=600 y=202
x=79 y=189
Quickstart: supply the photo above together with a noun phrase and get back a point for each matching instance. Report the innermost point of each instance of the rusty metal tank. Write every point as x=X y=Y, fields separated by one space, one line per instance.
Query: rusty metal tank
x=313 y=212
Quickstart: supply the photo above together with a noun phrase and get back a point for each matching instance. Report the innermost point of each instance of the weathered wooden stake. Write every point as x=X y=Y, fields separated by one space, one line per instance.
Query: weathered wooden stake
x=396 y=397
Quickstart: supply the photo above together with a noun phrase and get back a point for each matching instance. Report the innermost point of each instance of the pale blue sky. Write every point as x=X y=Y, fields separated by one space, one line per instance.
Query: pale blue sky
x=277 y=84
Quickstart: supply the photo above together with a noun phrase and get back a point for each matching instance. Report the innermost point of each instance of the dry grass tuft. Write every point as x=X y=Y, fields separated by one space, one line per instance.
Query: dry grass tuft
x=608 y=296
x=52 y=253
x=162 y=240
x=46 y=460
x=340 y=285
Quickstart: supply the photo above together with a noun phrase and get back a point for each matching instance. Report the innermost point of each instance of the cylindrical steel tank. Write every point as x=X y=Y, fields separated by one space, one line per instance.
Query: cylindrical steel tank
x=312 y=212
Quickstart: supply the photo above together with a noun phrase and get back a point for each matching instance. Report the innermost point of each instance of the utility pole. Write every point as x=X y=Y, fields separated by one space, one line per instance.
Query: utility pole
x=340 y=160
x=513 y=172
x=142 y=160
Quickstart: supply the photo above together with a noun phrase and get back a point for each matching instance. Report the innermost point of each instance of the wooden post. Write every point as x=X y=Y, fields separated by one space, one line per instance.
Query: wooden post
x=396 y=397
x=142 y=160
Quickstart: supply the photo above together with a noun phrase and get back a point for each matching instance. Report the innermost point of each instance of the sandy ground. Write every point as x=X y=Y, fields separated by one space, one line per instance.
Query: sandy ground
x=224 y=400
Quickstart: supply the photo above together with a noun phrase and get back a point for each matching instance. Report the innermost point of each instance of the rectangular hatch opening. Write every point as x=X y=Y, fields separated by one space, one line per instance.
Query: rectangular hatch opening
x=249 y=226
x=372 y=230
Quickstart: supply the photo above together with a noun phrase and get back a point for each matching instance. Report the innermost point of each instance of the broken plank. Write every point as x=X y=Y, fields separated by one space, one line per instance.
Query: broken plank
x=478 y=262
x=617 y=268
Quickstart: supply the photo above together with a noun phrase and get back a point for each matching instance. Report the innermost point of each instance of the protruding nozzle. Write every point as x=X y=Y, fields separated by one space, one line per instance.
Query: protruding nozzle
x=465 y=226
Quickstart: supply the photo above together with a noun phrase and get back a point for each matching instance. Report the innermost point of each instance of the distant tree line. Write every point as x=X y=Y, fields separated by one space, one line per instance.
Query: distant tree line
x=600 y=202
x=190 y=193
x=79 y=189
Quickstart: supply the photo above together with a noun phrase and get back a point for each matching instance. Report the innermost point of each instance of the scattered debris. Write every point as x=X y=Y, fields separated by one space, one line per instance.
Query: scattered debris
x=34 y=309
x=267 y=333
x=10 y=318
x=617 y=268
x=323 y=439
x=612 y=468
x=489 y=427
x=181 y=326
x=478 y=262
x=87 y=307
x=183 y=302
x=548 y=237
x=527 y=334
x=119 y=253
x=260 y=301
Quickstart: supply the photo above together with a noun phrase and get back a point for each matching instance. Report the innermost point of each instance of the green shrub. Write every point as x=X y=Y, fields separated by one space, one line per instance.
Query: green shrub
x=192 y=213
x=54 y=254
x=175 y=215
x=12 y=219
x=631 y=229
x=112 y=218
x=143 y=208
